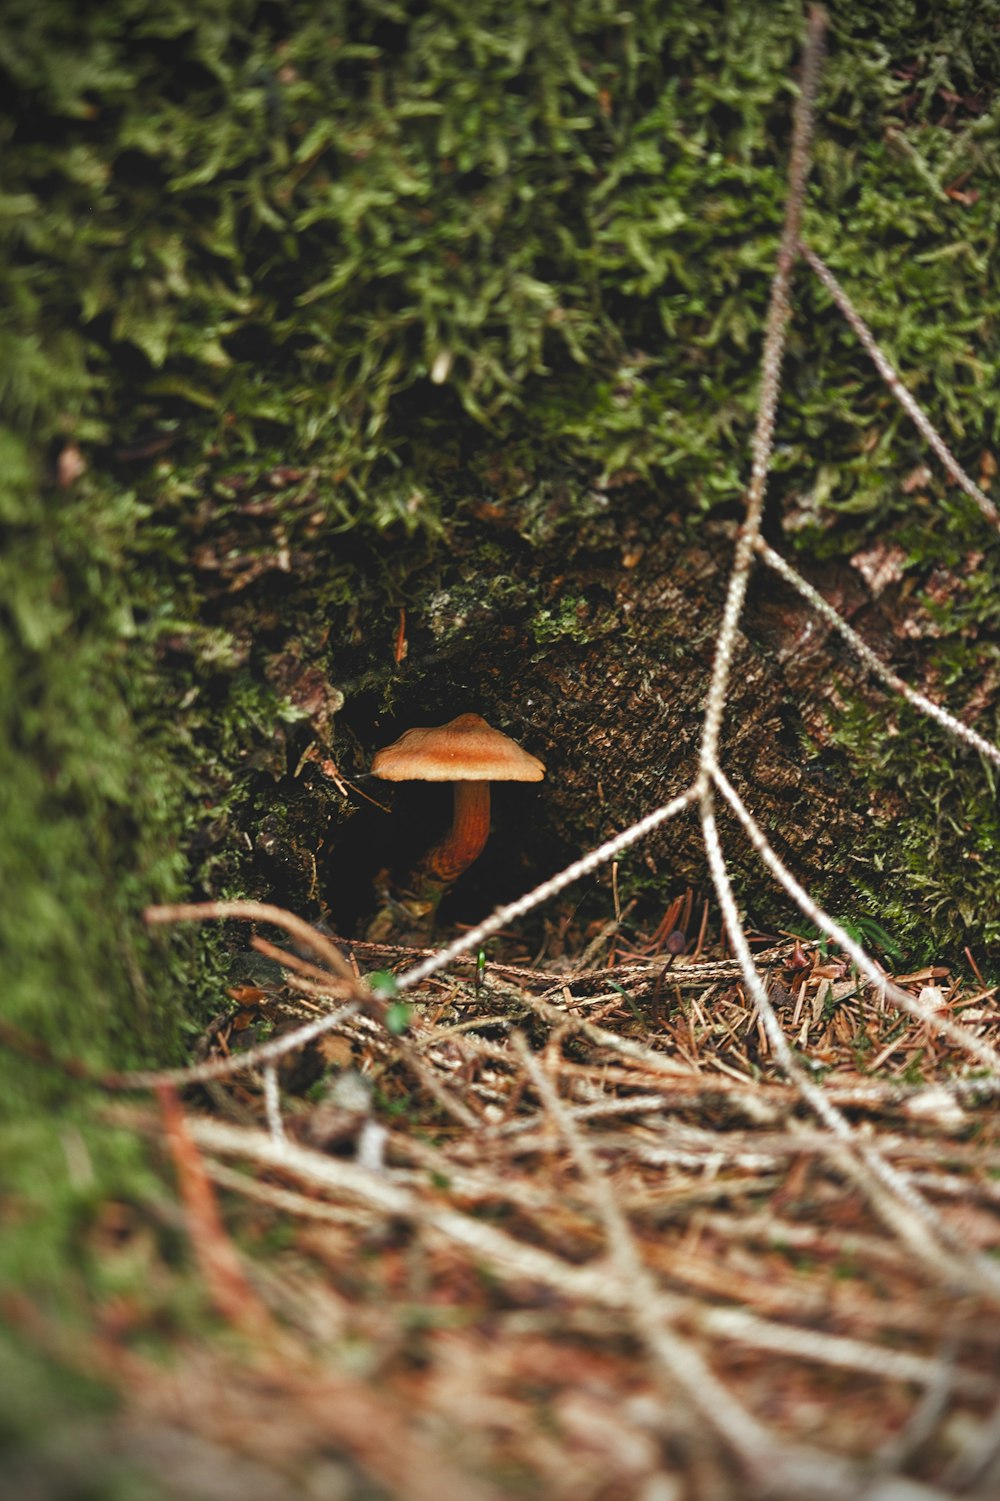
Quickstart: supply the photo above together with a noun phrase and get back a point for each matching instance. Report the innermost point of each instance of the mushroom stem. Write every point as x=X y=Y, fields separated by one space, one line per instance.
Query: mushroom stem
x=469 y=831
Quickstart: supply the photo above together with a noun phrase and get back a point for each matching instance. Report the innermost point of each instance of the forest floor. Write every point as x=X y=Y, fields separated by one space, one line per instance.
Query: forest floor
x=558 y=1226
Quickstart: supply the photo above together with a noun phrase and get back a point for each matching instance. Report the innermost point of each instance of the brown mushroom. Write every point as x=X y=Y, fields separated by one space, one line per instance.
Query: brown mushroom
x=471 y=754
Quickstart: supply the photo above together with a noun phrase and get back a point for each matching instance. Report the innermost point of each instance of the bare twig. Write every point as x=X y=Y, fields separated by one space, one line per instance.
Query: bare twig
x=296 y=927
x=778 y=315
x=873 y=662
x=899 y=391
x=272 y=1104
x=677 y=1357
x=959 y=1035
x=220 y=1266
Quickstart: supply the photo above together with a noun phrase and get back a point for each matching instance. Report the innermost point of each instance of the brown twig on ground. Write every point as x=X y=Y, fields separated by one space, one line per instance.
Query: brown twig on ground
x=215 y=1254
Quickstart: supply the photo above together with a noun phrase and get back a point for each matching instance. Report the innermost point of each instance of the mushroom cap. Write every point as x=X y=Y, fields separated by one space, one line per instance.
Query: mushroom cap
x=466 y=749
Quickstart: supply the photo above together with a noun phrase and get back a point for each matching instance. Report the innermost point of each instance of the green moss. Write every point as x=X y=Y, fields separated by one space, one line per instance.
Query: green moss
x=945 y=858
x=315 y=235
x=567 y=619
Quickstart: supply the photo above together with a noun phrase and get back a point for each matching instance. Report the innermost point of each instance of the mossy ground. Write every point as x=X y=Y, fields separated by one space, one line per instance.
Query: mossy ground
x=301 y=283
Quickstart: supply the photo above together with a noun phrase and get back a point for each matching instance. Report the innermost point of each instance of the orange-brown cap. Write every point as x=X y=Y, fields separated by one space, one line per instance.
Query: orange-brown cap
x=466 y=749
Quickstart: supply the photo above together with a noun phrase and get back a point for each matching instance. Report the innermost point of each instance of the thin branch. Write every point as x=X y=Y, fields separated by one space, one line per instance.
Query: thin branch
x=836 y=1350
x=272 y=1105
x=899 y=391
x=779 y=312
x=222 y=1068
x=899 y=1204
x=873 y=662
x=295 y=927
x=546 y=890
x=217 y=1258
x=955 y=1033
x=675 y=1355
